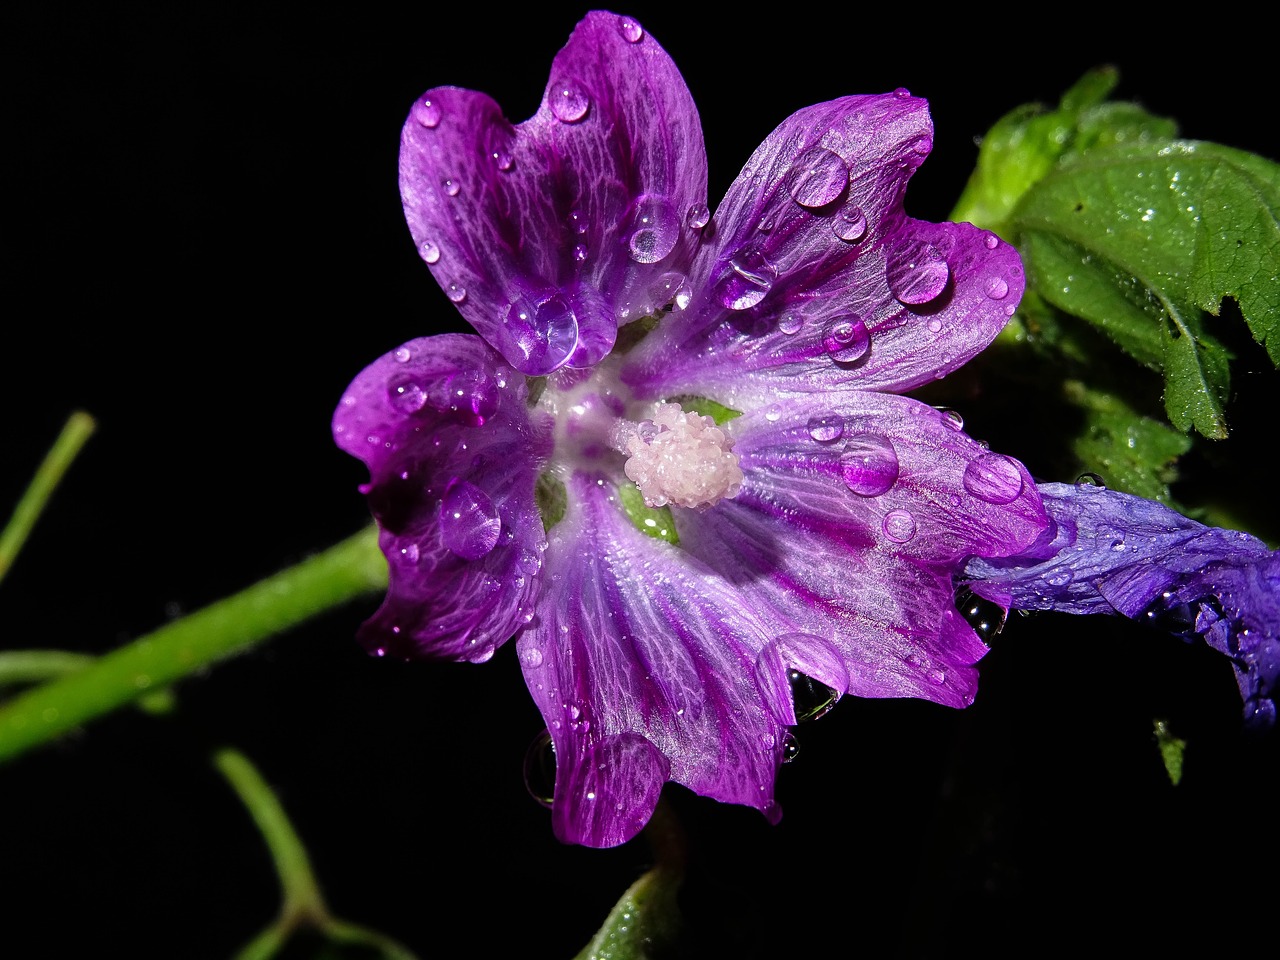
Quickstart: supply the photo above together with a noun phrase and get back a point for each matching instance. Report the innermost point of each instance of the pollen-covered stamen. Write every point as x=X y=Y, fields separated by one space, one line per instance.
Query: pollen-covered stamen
x=680 y=458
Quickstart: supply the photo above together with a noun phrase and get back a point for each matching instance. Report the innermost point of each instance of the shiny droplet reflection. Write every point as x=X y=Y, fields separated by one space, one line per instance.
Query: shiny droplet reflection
x=811 y=698
x=540 y=769
x=985 y=616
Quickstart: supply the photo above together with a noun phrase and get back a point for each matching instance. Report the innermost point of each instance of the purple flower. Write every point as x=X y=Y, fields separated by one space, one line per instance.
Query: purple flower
x=675 y=464
x=1111 y=552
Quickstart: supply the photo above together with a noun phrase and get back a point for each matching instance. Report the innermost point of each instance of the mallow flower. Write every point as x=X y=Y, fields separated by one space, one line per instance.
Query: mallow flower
x=676 y=463
x=1114 y=553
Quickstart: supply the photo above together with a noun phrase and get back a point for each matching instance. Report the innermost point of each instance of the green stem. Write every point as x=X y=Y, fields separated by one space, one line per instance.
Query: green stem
x=347 y=570
x=79 y=427
x=19 y=667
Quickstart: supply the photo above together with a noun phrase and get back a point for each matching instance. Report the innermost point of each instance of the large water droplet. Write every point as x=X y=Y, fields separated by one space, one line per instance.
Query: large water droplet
x=403 y=354
x=790 y=746
x=993 y=478
x=991 y=240
x=899 y=526
x=849 y=223
x=985 y=616
x=847 y=339
x=503 y=160
x=545 y=336
x=568 y=102
x=996 y=288
x=474 y=395
x=540 y=769
x=456 y=292
x=469 y=522
x=869 y=465
x=800 y=676
x=654 y=230
x=920 y=276
x=952 y=418
x=430 y=252
x=790 y=323
x=427 y=113
x=746 y=281
x=698 y=216
x=826 y=429
x=631 y=31
x=773 y=413
x=817 y=178
x=406 y=395
x=452 y=187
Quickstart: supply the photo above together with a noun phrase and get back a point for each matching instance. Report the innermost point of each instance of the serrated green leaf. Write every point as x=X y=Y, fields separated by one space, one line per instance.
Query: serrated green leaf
x=1131 y=452
x=643 y=921
x=1144 y=240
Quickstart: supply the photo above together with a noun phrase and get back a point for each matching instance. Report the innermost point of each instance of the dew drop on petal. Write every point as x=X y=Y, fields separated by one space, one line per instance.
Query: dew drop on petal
x=503 y=160
x=578 y=221
x=800 y=676
x=991 y=240
x=469 y=522
x=817 y=178
x=427 y=113
x=826 y=429
x=996 y=288
x=474 y=394
x=568 y=103
x=410 y=552
x=430 y=252
x=934 y=325
x=403 y=354
x=698 y=216
x=919 y=278
x=540 y=769
x=1090 y=481
x=994 y=478
x=456 y=292
x=899 y=526
x=407 y=395
x=986 y=617
x=790 y=323
x=544 y=336
x=846 y=339
x=849 y=223
x=452 y=187
x=631 y=31
x=772 y=413
x=580 y=252
x=654 y=230
x=869 y=465
x=748 y=277
x=952 y=418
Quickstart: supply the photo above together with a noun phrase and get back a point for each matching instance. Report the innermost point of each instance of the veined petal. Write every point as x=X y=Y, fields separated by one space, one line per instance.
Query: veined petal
x=453 y=454
x=854 y=513
x=813 y=296
x=550 y=233
x=1111 y=552
x=643 y=665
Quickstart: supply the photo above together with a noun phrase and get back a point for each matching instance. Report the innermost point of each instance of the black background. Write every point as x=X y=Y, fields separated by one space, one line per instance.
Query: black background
x=205 y=244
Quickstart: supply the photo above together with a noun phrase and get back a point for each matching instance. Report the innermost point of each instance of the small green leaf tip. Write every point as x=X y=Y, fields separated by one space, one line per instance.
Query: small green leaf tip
x=657 y=522
x=1171 y=751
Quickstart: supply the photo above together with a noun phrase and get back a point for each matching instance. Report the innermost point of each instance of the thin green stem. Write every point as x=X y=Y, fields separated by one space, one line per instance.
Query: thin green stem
x=19 y=667
x=78 y=428
x=345 y=571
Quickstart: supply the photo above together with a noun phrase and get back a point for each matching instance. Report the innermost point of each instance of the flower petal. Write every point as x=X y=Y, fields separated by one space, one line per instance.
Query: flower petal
x=549 y=234
x=811 y=296
x=643 y=665
x=854 y=513
x=453 y=455
x=1112 y=552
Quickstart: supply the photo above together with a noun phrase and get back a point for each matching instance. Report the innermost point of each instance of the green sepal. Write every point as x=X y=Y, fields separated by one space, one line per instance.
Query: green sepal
x=704 y=407
x=644 y=918
x=656 y=522
x=552 y=499
x=1171 y=751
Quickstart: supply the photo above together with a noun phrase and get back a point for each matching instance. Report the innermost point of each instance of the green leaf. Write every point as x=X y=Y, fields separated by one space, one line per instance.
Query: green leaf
x=1133 y=453
x=642 y=921
x=657 y=522
x=1171 y=751
x=1145 y=241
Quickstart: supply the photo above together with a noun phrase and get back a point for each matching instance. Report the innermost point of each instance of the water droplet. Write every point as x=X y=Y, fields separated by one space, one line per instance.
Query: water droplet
x=934 y=325
x=991 y=240
x=580 y=252
x=410 y=552
x=1090 y=480
x=920 y=276
x=473 y=394
x=985 y=616
x=456 y=292
x=403 y=354
x=544 y=336
x=452 y=187
x=1058 y=578
x=540 y=769
x=407 y=395
x=849 y=223
x=654 y=230
x=772 y=413
x=503 y=160
x=746 y=281
x=568 y=103
x=469 y=522
x=698 y=216
x=817 y=178
x=899 y=526
x=993 y=478
x=826 y=429
x=631 y=31
x=427 y=113
x=578 y=221
x=869 y=465
x=800 y=676
x=847 y=339
x=923 y=145
x=996 y=288
x=952 y=418
x=790 y=746
x=430 y=252
x=902 y=93
x=765 y=224
x=790 y=323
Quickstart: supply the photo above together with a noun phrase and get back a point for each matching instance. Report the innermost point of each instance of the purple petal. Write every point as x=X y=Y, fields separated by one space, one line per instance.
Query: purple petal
x=549 y=234
x=453 y=455
x=855 y=511
x=812 y=296
x=643 y=665
x=1111 y=552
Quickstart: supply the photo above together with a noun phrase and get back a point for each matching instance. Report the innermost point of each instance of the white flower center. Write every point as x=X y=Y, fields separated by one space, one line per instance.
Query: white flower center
x=679 y=458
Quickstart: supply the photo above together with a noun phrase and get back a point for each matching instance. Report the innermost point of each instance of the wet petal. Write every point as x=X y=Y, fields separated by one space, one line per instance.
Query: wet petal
x=550 y=233
x=854 y=513
x=787 y=279
x=453 y=454
x=1112 y=552
x=643 y=665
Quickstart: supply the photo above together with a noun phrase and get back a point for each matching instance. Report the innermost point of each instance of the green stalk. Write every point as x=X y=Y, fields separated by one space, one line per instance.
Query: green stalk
x=345 y=571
